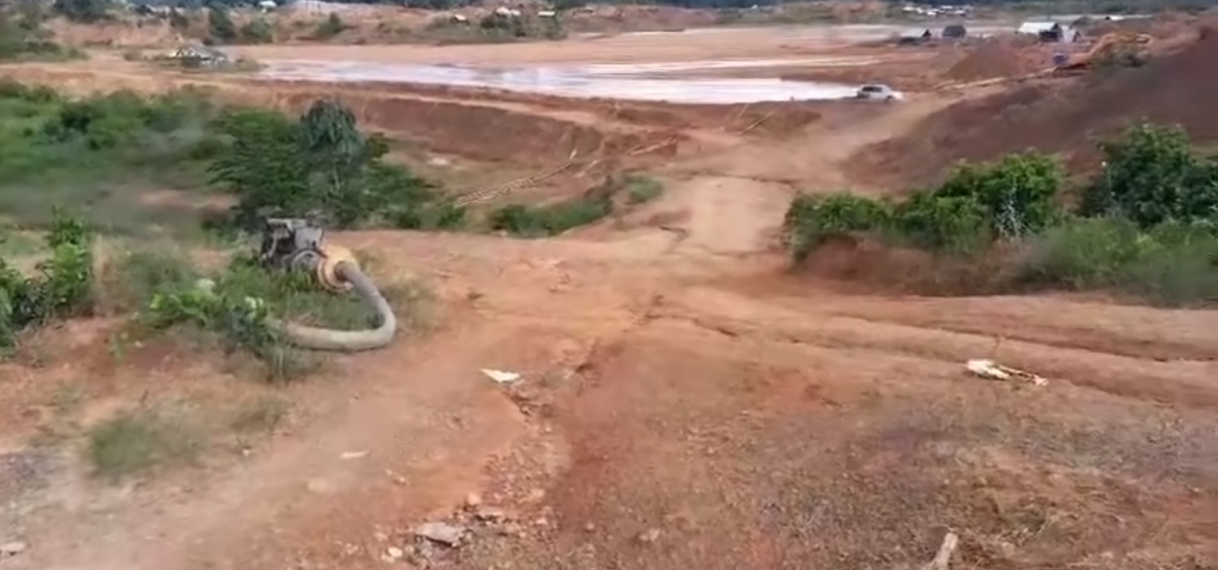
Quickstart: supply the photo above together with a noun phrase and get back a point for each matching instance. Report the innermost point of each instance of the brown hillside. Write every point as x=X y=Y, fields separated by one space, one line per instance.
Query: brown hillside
x=1000 y=57
x=1175 y=88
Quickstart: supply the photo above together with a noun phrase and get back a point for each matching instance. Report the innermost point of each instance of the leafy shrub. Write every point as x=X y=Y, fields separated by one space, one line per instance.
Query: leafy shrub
x=1171 y=264
x=220 y=27
x=62 y=287
x=237 y=305
x=641 y=189
x=955 y=224
x=813 y=219
x=1147 y=226
x=331 y=27
x=1017 y=193
x=550 y=220
x=1152 y=176
x=320 y=165
x=257 y=31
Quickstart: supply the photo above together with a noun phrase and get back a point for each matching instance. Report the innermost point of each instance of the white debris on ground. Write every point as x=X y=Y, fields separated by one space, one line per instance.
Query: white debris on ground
x=991 y=370
x=501 y=376
x=12 y=549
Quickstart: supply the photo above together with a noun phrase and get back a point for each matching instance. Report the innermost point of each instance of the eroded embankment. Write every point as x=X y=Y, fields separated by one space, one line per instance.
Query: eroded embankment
x=475 y=129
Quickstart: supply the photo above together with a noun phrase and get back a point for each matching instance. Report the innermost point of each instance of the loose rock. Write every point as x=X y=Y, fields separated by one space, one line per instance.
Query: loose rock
x=491 y=514
x=473 y=500
x=440 y=532
x=651 y=535
x=12 y=548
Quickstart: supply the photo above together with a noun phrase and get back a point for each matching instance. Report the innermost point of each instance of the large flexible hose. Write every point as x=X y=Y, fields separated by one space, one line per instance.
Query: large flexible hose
x=314 y=338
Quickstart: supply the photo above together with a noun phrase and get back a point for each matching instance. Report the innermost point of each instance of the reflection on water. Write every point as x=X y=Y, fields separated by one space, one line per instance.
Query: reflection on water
x=607 y=81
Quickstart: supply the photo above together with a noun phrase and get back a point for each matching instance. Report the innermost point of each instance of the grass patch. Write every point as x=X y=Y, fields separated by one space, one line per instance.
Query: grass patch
x=261 y=415
x=642 y=189
x=136 y=441
x=549 y=220
x=131 y=278
x=165 y=288
x=1169 y=264
x=101 y=155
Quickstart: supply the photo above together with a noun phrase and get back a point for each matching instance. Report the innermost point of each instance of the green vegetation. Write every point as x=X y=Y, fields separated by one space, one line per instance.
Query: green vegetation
x=263 y=414
x=234 y=305
x=493 y=28
x=331 y=27
x=106 y=152
x=558 y=217
x=60 y=288
x=1147 y=225
x=549 y=220
x=642 y=189
x=101 y=153
x=22 y=37
x=137 y=440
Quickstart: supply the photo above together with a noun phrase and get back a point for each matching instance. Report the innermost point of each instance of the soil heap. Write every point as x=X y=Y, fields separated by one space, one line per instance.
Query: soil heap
x=1175 y=88
x=998 y=58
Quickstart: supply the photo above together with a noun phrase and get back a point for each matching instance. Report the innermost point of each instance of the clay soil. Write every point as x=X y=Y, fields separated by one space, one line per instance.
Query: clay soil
x=685 y=401
x=1064 y=117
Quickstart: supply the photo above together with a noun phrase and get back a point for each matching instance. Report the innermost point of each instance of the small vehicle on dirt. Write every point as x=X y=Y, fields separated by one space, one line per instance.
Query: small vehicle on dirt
x=877 y=92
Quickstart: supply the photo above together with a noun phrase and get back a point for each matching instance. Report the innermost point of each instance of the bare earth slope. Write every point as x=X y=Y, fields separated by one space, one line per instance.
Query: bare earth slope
x=1173 y=88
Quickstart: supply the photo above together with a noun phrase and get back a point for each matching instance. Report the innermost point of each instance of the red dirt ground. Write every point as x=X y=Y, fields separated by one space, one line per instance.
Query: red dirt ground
x=686 y=401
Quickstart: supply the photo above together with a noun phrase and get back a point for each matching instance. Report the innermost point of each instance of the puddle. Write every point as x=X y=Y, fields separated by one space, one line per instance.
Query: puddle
x=630 y=82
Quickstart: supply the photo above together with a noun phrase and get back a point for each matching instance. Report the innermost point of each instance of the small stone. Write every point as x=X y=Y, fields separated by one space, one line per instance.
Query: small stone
x=443 y=533
x=491 y=514
x=651 y=535
x=541 y=521
x=12 y=548
x=320 y=486
x=535 y=495
x=473 y=500
x=394 y=552
x=590 y=527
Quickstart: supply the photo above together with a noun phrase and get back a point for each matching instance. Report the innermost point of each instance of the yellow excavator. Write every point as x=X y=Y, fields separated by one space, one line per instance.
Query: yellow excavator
x=1107 y=46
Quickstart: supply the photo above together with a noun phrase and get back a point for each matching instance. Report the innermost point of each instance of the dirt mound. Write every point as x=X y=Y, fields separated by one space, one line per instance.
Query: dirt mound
x=999 y=58
x=1054 y=117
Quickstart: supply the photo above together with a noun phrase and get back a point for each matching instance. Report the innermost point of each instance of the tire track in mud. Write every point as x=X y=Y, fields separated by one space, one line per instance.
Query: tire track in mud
x=1191 y=383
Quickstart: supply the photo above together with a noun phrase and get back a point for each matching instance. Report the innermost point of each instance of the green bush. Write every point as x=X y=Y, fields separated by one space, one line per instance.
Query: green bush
x=550 y=220
x=954 y=224
x=257 y=31
x=322 y=165
x=102 y=152
x=61 y=288
x=1151 y=175
x=1170 y=264
x=811 y=220
x=642 y=189
x=331 y=27
x=1017 y=193
x=24 y=39
x=1146 y=226
x=235 y=305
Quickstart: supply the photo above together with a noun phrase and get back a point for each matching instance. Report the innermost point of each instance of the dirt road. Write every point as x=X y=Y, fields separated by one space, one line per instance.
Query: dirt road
x=688 y=402
x=685 y=403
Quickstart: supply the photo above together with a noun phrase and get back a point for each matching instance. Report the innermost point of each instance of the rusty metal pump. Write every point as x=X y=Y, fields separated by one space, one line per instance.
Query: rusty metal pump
x=296 y=244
